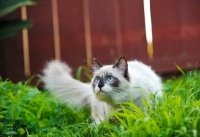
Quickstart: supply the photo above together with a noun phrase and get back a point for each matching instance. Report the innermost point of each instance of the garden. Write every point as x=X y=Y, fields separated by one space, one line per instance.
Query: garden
x=27 y=111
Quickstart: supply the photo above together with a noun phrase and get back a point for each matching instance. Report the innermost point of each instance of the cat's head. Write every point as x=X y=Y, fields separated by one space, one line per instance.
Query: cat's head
x=110 y=81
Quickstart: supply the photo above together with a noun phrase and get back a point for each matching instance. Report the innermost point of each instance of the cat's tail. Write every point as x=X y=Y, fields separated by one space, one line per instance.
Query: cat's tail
x=58 y=80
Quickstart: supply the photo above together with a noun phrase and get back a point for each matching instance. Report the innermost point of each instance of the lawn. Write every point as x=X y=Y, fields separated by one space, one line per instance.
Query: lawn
x=27 y=111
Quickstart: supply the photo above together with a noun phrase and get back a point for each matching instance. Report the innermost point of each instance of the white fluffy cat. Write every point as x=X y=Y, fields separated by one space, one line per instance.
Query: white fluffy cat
x=110 y=86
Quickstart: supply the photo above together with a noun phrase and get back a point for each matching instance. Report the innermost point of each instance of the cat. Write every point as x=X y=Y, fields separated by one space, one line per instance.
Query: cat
x=110 y=86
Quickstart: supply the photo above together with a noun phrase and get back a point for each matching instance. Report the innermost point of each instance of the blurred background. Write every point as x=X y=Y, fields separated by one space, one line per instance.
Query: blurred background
x=76 y=31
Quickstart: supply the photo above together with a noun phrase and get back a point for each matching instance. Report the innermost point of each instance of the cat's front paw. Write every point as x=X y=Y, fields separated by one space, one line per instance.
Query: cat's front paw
x=97 y=118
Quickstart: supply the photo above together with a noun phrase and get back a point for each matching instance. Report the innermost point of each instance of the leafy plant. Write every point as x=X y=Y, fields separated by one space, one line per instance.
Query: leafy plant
x=9 y=28
x=27 y=111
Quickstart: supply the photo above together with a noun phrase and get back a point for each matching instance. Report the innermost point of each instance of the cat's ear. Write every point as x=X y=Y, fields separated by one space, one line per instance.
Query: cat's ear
x=122 y=66
x=96 y=65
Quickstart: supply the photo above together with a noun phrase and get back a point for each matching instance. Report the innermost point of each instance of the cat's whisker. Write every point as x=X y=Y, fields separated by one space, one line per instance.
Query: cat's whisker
x=115 y=95
x=87 y=72
x=119 y=95
x=122 y=82
x=88 y=62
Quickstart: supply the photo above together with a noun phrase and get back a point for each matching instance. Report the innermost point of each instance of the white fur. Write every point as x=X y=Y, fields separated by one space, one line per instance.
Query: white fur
x=61 y=84
x=143 y=81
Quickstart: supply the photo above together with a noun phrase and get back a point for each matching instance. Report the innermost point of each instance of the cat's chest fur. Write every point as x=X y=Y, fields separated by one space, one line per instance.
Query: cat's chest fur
x=110 y=86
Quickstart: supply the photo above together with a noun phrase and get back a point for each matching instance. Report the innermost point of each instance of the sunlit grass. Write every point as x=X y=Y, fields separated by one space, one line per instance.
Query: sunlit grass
x=26 y=111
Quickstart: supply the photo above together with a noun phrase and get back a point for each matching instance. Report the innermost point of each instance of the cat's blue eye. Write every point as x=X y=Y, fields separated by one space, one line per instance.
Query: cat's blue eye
x=97 y=80
x=110 y=79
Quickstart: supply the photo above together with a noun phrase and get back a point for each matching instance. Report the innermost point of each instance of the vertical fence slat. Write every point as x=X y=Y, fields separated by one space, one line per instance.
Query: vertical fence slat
x=25 y=44
x=56 y=33
x=118 y=27
x=148 y=27
x=87 y=31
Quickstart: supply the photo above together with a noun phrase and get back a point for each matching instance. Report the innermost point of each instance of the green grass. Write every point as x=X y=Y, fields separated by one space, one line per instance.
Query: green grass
x=26 y=111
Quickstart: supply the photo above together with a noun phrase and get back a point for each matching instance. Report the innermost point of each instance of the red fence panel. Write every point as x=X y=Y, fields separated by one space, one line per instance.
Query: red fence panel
x=116 y=28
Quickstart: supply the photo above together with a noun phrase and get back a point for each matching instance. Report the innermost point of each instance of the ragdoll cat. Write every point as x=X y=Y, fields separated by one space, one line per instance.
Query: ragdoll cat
x=110 y=86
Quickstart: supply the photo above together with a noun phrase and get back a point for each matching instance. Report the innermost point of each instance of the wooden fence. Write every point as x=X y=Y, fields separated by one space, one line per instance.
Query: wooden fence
x=75 y=31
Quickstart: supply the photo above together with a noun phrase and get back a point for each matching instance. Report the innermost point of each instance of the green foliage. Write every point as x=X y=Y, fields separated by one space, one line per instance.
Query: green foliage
x=9 y=28
x=80 y=71
x=26 y=111
x=7 y=7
